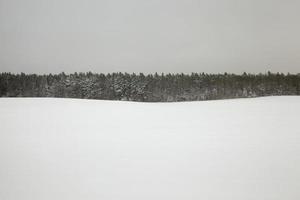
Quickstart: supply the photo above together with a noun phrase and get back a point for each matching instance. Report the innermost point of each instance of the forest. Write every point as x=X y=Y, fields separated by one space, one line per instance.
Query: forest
x=149 y=88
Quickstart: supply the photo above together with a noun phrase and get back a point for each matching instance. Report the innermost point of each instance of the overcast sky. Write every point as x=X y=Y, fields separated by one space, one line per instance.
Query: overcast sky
x=51 y=36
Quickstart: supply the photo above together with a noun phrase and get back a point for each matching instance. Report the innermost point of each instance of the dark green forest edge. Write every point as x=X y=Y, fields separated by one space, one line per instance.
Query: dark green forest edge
x=149 y=88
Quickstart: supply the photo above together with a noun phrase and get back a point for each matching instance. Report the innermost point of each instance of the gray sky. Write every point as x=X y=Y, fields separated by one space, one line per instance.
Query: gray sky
x=50 y=36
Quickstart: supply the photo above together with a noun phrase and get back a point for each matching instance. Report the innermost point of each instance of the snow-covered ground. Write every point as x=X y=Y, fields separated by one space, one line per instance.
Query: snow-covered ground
x=67 y=149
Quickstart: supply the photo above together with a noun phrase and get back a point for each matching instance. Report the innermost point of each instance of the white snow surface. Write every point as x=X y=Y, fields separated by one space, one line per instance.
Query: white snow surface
x=71 y=149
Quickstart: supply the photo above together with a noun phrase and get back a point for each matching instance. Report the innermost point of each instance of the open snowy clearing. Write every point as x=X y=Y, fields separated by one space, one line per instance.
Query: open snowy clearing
x=242 y=149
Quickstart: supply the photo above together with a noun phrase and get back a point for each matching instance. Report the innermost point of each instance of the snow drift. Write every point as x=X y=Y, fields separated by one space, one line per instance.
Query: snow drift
x=88 y=149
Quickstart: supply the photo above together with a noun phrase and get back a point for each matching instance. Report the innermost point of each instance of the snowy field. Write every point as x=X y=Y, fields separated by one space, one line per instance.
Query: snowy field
x=67 y=149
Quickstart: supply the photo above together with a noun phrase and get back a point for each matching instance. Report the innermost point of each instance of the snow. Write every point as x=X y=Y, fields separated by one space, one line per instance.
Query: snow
x=63 y=149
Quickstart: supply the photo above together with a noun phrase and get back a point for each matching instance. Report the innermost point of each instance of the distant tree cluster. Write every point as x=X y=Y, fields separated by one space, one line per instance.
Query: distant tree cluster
x=149 y=88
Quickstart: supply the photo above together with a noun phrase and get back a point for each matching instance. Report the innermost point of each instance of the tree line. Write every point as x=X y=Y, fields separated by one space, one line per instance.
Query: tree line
x=149 y=88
